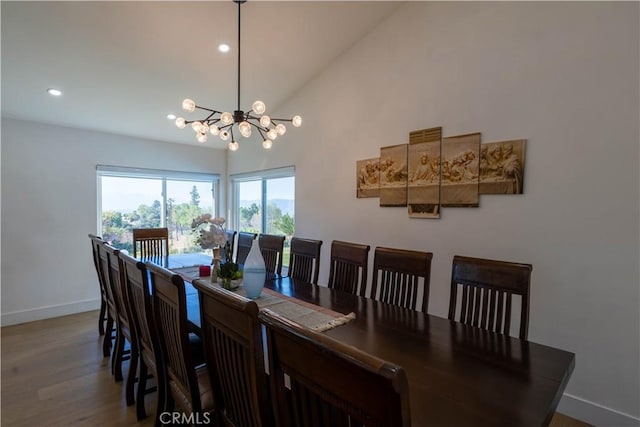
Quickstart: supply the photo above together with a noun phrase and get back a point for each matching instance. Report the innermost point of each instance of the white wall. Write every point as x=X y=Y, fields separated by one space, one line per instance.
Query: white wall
x=564 y=76
x=49 y=205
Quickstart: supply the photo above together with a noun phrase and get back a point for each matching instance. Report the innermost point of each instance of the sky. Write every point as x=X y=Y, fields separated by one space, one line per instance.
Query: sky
x=126 y=194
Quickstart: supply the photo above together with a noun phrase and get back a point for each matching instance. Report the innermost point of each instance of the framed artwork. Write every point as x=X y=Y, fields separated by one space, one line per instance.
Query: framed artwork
x=423 y=178
x=460 y=166
x=502 y=167
x=368 y=178
x=393 y=175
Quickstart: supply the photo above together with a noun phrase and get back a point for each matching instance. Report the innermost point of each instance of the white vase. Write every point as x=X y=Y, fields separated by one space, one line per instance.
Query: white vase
x=254 y=272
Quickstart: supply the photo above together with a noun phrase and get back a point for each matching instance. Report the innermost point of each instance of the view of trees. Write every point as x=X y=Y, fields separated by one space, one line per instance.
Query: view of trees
x=277 y=223
x=117 y=226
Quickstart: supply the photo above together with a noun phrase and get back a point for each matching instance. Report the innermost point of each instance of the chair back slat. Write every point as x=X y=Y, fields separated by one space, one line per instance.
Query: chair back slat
x=318 y=381
x=151 y=244
x=232 y=338
x=401 y=275
x=304 y=259
x=245 y=240
x=348 y=267
x=272 y=247
x=488 y=287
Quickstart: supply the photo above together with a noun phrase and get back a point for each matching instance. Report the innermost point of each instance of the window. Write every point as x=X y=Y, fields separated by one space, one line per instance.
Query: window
x=264 y=202
x=131 y=198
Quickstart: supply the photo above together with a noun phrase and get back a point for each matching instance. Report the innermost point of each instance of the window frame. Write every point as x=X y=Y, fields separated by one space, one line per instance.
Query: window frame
x=263 y=176
x=160 y=174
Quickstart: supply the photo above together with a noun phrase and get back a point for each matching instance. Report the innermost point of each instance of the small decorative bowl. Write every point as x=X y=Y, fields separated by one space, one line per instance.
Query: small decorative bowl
x=229 y=284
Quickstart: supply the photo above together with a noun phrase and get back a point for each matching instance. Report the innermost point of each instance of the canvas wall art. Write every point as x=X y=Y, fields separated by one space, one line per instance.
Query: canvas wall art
x=502 y=167
x=393 y=175
x=423 y=189
x=460 y=166
x=368 y=178
x=432 y=172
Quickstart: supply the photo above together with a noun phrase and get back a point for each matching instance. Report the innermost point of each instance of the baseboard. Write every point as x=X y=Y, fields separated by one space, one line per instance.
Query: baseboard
x=594 y=413
x=17 y=317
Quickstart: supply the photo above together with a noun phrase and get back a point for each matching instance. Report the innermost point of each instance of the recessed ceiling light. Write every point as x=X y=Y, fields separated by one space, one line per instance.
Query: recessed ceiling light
x=171 y=116
x=54 y=92
x=224 y=48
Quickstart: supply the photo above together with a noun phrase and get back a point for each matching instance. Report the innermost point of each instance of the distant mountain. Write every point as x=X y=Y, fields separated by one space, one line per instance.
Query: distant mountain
x=286 y=206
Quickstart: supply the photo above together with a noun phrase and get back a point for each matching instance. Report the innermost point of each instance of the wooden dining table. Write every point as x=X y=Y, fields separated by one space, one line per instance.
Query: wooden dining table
x=458 y=375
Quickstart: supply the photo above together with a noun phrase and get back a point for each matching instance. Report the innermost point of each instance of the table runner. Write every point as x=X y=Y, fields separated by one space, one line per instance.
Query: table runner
x=312 y=316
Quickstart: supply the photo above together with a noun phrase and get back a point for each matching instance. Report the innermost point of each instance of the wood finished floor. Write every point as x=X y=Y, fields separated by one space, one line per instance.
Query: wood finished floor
x=53 y=374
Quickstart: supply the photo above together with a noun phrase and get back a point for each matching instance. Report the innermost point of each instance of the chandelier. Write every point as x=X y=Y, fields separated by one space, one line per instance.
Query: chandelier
x=222 y=123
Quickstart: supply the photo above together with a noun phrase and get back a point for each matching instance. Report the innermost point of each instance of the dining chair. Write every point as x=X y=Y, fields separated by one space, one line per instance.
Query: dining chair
x=316 y=380
x=188 y=386
x=111 y=329
x=348 y=267
x=244 y=246
x=487 y=290
x=234 y=353
x=401 y=276
x=139 y=295
x=231 y=240
x=272 y=247
x=151 y=244
x=96 y=243
x=304 y=259
x=125 y=331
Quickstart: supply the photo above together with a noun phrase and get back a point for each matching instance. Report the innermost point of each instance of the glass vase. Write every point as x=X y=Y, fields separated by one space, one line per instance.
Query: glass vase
x=254 y=272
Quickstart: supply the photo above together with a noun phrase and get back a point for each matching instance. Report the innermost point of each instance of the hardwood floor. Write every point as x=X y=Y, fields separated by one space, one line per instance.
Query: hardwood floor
x=53 y=374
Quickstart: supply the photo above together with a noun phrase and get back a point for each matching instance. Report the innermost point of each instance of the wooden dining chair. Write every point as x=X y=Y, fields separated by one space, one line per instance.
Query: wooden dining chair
x=111 y=329
x=150 y=356
x=125 y=331
x=304 y=259
x=231 y=240
x=188 y=386
x=234 y=353
x=245 y=240
x=96 y=243
x=401 y=276
x=348 y=267
x=151 y=244
x=487 y=290
x=272 y=247
x=330 y=383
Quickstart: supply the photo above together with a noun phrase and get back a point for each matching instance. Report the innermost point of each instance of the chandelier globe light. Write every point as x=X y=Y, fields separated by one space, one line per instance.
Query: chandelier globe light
x=223 y=123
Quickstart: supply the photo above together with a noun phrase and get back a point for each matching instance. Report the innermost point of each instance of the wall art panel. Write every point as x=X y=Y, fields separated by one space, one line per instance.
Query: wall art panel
x=423 y=190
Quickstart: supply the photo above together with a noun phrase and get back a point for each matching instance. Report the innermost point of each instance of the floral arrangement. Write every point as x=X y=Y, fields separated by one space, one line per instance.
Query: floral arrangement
x=210 y=231
x=229 y=269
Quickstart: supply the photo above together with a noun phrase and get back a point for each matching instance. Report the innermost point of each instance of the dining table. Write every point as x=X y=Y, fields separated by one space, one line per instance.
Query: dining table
x=458 y=375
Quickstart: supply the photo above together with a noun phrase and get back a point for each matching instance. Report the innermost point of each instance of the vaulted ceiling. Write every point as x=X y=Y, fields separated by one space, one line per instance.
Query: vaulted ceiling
x=123 y=66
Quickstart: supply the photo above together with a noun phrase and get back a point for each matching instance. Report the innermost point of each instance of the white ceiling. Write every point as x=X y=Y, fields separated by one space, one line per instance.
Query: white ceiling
x=123 y=66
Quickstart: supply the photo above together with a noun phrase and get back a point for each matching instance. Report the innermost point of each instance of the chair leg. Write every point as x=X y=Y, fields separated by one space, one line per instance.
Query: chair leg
x=101 y=319
x=106 y=344
x=164 y=403
x=118 y=356
x=142 y=388
x=131 y=377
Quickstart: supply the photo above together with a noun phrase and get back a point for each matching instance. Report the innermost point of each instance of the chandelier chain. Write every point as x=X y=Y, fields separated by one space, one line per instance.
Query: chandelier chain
x=269 y=128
